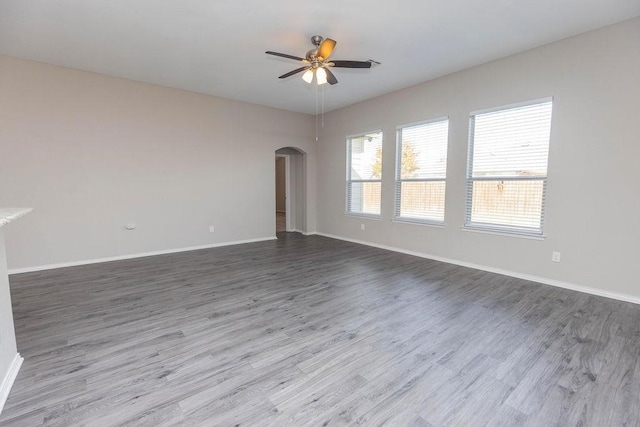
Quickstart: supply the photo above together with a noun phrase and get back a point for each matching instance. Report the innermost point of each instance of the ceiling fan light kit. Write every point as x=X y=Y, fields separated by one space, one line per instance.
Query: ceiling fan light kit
x=317 y=62
x=308 y=76
x=321 y=76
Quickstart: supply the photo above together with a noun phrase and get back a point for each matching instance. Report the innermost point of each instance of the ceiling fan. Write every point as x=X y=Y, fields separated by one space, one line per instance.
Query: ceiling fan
x=317 y=62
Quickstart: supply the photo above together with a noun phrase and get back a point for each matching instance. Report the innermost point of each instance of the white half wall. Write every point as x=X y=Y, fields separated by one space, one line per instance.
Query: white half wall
x=92 y=154
x=593 y=202
x=10 y=360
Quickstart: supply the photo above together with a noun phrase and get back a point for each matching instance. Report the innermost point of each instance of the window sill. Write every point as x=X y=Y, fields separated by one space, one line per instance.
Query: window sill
x=505 y=233
x=419 y=222
x=363 y=215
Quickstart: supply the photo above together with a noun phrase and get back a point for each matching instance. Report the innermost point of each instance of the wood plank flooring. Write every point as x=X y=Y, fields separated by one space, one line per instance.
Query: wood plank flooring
x=314 y=331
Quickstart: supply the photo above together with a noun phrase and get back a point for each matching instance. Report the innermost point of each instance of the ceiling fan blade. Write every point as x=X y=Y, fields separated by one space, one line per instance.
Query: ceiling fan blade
x=291 y=73
x=284 y=55
x=326 y=48
x=351 y=64
x=331 y=78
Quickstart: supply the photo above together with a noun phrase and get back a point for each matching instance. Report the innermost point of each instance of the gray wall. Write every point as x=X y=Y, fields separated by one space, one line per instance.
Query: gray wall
x=593 y=202
x=92 y=153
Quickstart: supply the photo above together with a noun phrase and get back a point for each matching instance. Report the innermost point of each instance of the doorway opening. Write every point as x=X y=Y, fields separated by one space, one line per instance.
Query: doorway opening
x=282 y=164
x=290 y=190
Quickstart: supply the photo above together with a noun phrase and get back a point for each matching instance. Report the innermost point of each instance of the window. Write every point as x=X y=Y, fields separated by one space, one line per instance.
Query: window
x=507 y=171
x=364 y=174
x=421 y=169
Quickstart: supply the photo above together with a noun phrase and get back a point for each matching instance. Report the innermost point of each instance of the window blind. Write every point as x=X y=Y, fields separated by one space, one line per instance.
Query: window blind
x=421 y=169
x=364 y=174
x=507 y=170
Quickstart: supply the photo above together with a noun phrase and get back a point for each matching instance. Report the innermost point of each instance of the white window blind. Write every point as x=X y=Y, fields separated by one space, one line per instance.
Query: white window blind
x=507 y=170
x=421 y=171
x=364 y=174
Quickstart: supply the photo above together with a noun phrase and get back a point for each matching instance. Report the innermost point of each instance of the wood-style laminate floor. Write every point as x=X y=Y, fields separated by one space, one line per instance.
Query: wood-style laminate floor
x=314 y=331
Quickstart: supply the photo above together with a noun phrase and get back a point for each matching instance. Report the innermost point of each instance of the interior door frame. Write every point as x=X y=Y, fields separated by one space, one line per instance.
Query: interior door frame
x=287 y=189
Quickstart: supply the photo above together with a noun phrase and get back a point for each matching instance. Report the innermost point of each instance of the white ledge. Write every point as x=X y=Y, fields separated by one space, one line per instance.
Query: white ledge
x=11 y=214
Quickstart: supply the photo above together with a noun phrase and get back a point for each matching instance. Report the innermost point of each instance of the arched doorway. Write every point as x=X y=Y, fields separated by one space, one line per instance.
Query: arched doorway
x=290 y=190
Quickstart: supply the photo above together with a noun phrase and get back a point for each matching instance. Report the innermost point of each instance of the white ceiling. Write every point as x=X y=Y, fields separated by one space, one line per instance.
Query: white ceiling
x=217 y=46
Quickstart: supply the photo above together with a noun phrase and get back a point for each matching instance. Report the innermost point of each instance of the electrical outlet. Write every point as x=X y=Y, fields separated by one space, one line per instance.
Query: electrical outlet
x=211 y=229
x=362 y=227
x=555 y=256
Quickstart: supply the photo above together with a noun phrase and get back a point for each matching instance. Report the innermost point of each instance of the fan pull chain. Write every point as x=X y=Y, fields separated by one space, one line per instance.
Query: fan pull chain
x=322 y=117
x=316 y=113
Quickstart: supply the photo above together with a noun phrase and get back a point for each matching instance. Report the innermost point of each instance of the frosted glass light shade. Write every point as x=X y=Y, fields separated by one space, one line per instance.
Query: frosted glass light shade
x=321 y=76
x=308 y=76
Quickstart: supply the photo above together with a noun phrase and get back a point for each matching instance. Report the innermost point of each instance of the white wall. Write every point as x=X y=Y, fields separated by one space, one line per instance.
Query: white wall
x=92 y=153
x=593 y=201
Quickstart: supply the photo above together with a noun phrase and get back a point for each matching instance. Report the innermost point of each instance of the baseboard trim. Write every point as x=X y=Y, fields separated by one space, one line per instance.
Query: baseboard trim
x=9 y=379
x=539 y=279
x=532 y=278
x=132 y=256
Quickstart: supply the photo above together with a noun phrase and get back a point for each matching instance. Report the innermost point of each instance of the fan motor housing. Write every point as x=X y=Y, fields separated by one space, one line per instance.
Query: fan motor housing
x=317 y=40
x=312 y=54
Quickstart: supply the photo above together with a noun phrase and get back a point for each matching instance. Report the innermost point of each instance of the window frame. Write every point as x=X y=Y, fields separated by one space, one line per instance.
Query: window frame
x=350 y=181
x=397 y=217
x=501 y=229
